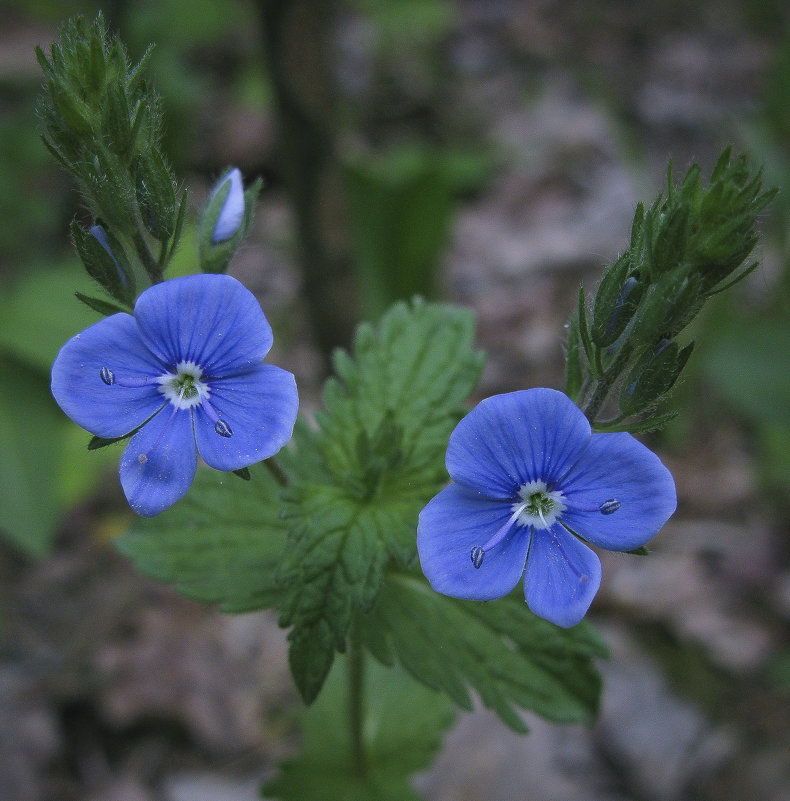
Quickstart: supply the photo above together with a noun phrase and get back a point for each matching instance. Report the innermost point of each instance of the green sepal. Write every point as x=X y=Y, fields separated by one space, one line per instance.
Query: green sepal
x=117 y=122
x=639 y=427
x=616 y=302
x=654 y=374
x=574 y=374
x=243 y=473
x=668 y=307
x=590 y=352
x=102 y=442
x=104 y=307
x=642 y=550
x=110 y=270
x=156 y=194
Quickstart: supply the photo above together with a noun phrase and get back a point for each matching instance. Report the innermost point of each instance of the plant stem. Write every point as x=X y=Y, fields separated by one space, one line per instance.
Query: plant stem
x=279 y=474
x=146 y=257
x=599 y=389
x=356 y=679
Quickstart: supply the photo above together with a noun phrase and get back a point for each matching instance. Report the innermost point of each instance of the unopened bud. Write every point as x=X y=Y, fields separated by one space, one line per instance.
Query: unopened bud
x=232 y=212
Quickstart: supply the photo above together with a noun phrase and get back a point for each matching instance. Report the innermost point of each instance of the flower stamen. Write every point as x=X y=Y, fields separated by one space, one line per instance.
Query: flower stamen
x=479 y=552
x=109 y=378
x=609 y=507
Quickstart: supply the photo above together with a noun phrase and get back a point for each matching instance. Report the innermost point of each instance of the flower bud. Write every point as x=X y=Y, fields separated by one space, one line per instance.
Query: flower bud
x=653 y=376
x=616 y=302
x=225 y=220
x=231 y=213
x=105 y=261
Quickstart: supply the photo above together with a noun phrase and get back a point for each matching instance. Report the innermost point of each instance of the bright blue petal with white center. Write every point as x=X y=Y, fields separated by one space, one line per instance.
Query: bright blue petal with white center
x=451 y=525
x=211 y=320
x=509 y=440
x=107 y=409
x=562 y=577
x=259 y=410
x=618 y=469
x=159 y=462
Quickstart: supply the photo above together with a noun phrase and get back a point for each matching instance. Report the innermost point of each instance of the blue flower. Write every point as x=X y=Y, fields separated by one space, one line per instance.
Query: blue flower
x=232 y=212
x=531 y=486
x=184 y=375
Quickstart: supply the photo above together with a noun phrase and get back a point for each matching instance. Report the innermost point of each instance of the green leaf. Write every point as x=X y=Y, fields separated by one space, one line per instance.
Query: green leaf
x=402 y=727
x=334 y=565
x=31 y=432
x=363 y=477
x=37 y=316
x=220 y=544
x=503 y=652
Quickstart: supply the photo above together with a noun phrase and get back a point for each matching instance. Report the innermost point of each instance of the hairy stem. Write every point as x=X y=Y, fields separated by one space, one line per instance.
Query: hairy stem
x=598 y=390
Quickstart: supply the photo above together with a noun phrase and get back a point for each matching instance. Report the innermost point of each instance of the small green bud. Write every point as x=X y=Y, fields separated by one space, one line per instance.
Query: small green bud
x=156 y=195
x=653 y=376
x=616 y=302
x=668 y=306
x=105 y=261
x=116 y=121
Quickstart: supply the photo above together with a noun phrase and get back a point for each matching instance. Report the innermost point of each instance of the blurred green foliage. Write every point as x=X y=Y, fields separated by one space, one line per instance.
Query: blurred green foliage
x=44 y=467
x=746 y=349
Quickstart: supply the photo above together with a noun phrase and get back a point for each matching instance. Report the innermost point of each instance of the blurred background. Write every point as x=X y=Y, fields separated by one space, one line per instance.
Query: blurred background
x=490 y=153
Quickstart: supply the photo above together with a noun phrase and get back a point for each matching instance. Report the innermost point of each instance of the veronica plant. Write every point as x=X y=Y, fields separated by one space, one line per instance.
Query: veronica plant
x=340 y=536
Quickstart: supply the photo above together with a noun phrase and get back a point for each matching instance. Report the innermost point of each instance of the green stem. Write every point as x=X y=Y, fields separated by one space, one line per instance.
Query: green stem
x=276 y=470
x=147 y=258
x=599 y=389
x=356 y=679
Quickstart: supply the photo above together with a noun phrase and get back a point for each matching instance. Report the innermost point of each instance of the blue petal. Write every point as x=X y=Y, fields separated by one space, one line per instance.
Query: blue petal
x=232 y=212
x=258 y=407
x=167 y=468
x=562 y=577
x=114 y=410
x=508 y=440
x=450 y=526
x=212 y=320
x=616 y=467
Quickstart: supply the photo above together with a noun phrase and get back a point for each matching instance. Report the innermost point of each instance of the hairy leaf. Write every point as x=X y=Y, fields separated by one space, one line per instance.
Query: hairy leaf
x=220 y=544
x=376 y=459
x=503 y=652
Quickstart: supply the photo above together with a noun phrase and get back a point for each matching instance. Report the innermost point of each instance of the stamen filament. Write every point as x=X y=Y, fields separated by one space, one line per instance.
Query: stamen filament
x=478 y=552
x=109 y=378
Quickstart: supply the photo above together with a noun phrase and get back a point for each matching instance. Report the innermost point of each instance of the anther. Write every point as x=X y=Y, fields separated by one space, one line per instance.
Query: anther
x=477 y=556
x=107 y=376
x=609 y=507
x=222 y=428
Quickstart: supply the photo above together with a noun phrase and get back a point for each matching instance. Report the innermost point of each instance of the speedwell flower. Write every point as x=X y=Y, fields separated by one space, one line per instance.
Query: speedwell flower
x=184 y=375
x=531 y=486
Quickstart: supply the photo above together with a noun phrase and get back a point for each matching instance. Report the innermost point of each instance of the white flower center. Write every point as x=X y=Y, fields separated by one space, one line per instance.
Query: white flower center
x=184 y=388
x=538 y=507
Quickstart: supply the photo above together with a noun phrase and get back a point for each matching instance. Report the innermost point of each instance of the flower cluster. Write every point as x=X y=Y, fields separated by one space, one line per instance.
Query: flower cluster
x=183 y=376
x=532 y=485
